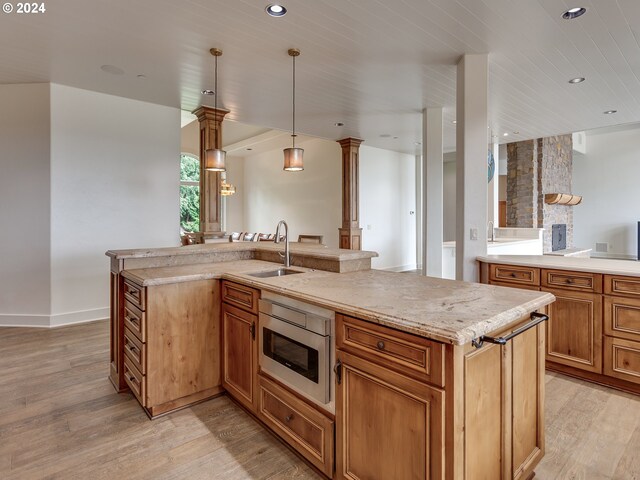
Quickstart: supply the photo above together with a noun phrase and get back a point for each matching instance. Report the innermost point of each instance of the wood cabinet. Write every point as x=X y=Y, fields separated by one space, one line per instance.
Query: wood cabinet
x=171 y=343
x=414 y=356
x=504 y=407
x=240 y=345
x=306 y=429
x=388 y=425
x=594 y=327
x=622 y=359
x=575 y=330
x=486 y=422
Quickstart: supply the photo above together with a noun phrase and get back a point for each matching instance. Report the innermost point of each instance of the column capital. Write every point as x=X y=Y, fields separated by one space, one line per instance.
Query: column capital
x=209 y=113
x=350 y=142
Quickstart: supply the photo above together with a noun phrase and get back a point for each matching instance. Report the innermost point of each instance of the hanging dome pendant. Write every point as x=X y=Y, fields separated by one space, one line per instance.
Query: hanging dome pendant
x=293 y=156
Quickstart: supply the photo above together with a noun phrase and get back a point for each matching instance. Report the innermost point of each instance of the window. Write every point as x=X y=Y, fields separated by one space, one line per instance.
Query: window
x=189 y=192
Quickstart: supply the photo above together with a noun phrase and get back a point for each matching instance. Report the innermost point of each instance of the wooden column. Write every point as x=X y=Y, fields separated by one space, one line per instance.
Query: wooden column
x=350 y=233
x=210 y=200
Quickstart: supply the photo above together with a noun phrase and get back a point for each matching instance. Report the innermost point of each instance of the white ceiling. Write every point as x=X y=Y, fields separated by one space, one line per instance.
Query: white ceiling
x=370 y=64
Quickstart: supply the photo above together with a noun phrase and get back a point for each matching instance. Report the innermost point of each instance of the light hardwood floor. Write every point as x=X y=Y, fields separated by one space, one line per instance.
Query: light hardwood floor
x=61 y=419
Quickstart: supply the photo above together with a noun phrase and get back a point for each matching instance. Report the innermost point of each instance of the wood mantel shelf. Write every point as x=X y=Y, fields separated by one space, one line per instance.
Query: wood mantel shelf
x=562 y=199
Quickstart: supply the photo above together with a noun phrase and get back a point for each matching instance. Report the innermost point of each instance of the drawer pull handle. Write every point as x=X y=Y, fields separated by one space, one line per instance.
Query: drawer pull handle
x=513 y=275
x=380 y=345
x=337 y=369
x=132 y=319
x=536 y=318
x=133 y=349
x=569 y=280
x=288 y=418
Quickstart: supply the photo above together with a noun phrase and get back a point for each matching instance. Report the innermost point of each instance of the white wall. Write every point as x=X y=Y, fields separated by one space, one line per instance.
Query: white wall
x=114 y=184
x=607 y=178
x=310 y=201
x=234 y=208
x=190 y=138
x=449 y=197
x=24 y=205
x=387 y=196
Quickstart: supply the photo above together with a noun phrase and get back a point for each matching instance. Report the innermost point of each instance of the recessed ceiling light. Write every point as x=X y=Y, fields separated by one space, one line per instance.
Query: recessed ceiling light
x=418 y=143
x=276 y=10
x=249 y=149
x=338 y=124
x=577 y=80
x=505 y=134
x=395 y=138
x=610 y=112
x=516 y=133
x=141 y=76
x=574 y=13
x=208 y=92
x=112 y=69
x=384 y=135
x=454 y=121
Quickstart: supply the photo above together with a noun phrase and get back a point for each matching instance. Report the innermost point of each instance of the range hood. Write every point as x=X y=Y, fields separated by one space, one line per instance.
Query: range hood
x=562 y=199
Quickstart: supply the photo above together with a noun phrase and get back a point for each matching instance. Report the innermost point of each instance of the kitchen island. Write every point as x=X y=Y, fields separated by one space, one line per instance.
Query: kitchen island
x=415 y=391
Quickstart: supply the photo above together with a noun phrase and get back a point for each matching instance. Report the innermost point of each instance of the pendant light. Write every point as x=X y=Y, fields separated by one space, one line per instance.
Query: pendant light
x=293 y=155
x=226 y=189
x=214 y=158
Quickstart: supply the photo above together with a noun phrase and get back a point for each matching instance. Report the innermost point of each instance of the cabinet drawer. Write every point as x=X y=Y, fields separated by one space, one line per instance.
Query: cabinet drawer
x=514 y=274
x=135 y=350
x=622 y=359
x=134 y=320
x=135 y=380
x=240 y=296
x=617 y=285
x=580 y=281
x=408 y=354
x=622 y=317
x=135 y=294
x=302 y=426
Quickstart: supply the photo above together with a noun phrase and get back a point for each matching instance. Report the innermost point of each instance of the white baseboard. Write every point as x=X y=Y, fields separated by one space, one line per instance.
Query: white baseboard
x=83 y=316
x=49 y=321
x=400 y=268
x=12 y=320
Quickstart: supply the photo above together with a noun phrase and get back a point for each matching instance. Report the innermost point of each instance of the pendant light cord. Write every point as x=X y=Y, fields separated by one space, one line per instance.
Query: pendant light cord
x=215 y=101
x=293 y=135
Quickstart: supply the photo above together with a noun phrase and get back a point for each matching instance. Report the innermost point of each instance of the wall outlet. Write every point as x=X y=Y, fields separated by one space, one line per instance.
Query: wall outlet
x=473 y=234
x=602 y=247
x=368 y=227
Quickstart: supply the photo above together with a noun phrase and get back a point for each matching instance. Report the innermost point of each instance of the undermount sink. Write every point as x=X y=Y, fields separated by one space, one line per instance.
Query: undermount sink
x=281 y=272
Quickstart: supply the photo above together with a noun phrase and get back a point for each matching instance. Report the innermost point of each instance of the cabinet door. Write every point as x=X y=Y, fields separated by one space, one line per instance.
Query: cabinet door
x=240 y=354
x=574 y=333
x=387 y=425
x=504 y=408
x=527 y=400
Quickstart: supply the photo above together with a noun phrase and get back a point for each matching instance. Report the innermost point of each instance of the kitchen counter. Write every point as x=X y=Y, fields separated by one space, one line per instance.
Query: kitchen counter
x=444 y=310
x=295 y=248
x=302 y=254
x=580 y=264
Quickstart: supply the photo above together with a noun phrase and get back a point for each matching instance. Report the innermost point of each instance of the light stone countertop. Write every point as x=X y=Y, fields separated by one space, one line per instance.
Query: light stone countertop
x=443 y=310
x=309 y=249
x=579 y=264
x=201 y=271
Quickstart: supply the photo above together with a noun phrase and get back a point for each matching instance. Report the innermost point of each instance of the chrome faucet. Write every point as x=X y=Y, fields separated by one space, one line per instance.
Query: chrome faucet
x=287 y=258
x=492 y=231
